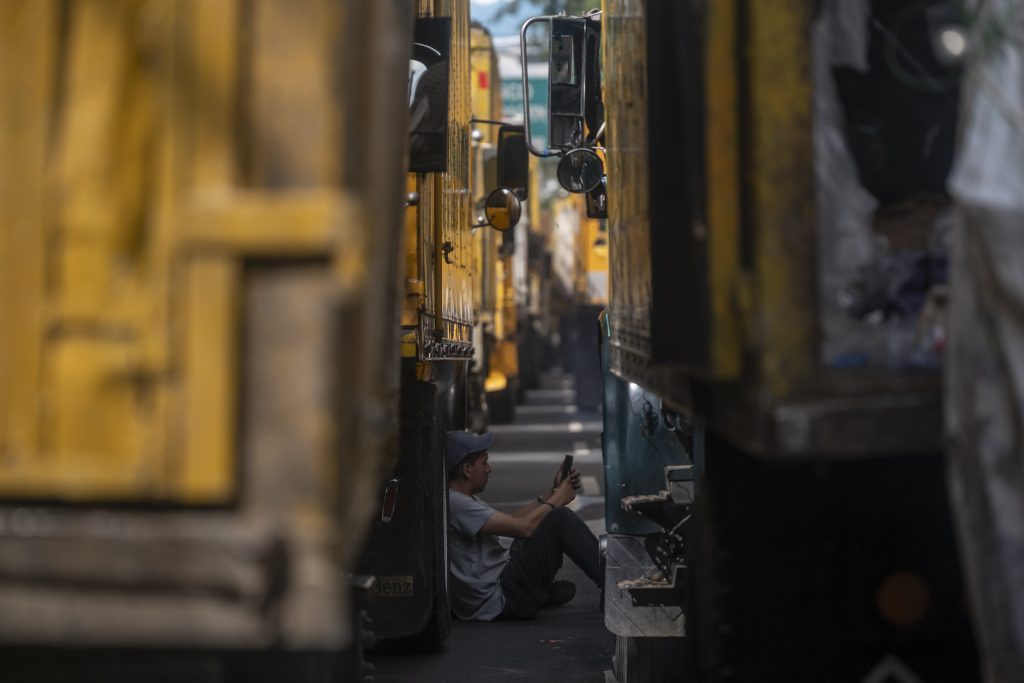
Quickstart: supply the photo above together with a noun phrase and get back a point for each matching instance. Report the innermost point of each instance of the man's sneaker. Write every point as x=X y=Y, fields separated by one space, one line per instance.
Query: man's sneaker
x=561 y=593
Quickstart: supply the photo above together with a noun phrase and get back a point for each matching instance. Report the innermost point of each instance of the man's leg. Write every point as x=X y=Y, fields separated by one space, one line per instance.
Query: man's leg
x=533 y=562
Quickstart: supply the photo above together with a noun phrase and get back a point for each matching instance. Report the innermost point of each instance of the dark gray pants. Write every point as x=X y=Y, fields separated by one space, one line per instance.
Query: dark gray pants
x=533 y=562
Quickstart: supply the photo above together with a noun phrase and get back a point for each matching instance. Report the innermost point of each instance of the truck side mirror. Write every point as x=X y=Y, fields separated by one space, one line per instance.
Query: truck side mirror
x=566 y=82
x=580 y=170
x=574 y=83
x=502 y=210
x=513 y=160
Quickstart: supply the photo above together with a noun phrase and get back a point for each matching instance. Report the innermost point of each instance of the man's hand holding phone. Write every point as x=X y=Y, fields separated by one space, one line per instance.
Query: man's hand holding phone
x=563 y=492
x=566 y=478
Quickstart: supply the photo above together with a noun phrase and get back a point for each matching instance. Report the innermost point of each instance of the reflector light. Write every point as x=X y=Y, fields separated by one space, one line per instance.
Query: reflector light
x=387 y=508
x=903 y=599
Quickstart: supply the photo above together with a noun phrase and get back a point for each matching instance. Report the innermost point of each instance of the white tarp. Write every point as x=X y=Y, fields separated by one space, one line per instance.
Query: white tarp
x=844 y=207
x=985 y=352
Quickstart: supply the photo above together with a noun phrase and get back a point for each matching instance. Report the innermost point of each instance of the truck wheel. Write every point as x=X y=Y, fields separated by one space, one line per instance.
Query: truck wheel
x=435 y=635
x=502 y=405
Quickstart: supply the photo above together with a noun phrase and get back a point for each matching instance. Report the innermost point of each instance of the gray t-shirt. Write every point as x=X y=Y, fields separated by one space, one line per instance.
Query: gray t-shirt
x=476 y=560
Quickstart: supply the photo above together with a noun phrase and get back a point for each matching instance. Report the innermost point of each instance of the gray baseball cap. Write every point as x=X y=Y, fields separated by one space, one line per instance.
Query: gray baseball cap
x=462 y=443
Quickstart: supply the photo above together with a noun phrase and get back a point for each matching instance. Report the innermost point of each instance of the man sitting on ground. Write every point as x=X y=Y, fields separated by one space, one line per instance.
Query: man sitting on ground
x=489 y=582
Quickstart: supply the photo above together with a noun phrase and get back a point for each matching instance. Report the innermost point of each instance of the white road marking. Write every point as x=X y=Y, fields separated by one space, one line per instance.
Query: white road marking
x=580 y=449
x=550 y=393
x=590 y=426
x=590 y=486
x=532 y=457
x=546 y=410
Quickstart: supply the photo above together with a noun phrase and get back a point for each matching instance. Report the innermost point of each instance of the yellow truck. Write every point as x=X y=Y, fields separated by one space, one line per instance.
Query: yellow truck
x=200 y=229
x=578 y=244
x=494 y=373
x=407 y=549
x=778 y=226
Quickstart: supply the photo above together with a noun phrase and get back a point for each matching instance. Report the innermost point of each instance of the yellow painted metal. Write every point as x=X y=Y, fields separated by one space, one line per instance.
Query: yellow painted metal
x=442 y=249
x=769 y=391
x=731 y=328
x=487 y=106
x=416 y=277
x=445 y=220
x=592 y=259
x=485 y=82
x=497 y=311
x=410 y=345
x=288 y=223
x=94 y=337
x=506 y=358
x=726 y=281
x=579 y=248
x=209 y=358
x=624 y=66
x=779 y=61
x=124 y=227
x=216 y=27
x=299 y=41
x=176 y=173
x=28 y=39
x=495 y=381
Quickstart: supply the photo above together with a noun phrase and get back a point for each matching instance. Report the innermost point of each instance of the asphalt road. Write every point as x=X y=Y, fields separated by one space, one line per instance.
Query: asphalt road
x=567 y=643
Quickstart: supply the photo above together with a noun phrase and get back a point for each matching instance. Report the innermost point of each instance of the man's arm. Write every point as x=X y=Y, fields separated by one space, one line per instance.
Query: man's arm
x=503 y=524
x=523 y=526
x=525 y=511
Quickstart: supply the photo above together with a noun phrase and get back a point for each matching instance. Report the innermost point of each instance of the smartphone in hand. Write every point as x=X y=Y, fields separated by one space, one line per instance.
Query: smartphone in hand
x=566 y=467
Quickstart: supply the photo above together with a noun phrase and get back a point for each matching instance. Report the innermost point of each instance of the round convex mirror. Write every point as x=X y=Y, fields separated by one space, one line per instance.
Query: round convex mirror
x=580 y=170
x=502 y=208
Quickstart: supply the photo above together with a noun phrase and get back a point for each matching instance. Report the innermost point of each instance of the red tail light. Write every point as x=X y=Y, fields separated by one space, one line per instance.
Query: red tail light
x=387 y=508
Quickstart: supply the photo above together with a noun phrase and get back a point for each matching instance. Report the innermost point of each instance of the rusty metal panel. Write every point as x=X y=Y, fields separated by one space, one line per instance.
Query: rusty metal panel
x=485 y=82
x=446 y=245
x=726 y=280
x=486 y=99
x=625 y=80
x=485 y=92
x=96 y=325
x=765 y=382
x=373 y=40
x=28 y=51
x=674 y=226
x=161 y=149
x=291 y=141
x=781 y=195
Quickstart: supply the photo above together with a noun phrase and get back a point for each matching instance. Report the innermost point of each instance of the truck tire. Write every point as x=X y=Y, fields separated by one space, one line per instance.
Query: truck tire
x=502 y=405
x=435 y=635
